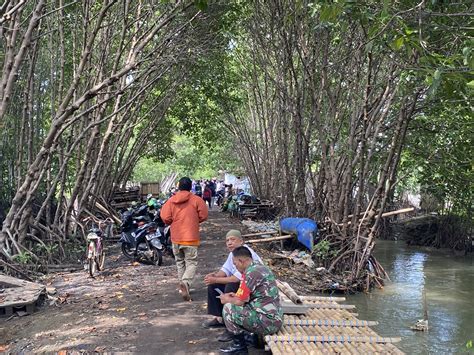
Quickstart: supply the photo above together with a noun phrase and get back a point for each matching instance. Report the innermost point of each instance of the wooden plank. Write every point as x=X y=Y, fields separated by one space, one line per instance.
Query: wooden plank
x=19 y=292
x=20 y=298
x=291 y=308
x=12 y=281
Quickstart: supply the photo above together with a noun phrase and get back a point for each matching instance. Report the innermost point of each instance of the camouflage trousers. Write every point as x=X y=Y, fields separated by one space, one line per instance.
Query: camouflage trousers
x=238 y=318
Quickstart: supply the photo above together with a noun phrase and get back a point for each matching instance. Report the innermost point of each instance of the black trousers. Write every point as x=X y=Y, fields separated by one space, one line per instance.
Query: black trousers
x=214 y=305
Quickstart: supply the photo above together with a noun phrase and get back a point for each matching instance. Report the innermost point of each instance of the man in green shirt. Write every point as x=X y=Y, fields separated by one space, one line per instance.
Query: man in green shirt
x=255 y=307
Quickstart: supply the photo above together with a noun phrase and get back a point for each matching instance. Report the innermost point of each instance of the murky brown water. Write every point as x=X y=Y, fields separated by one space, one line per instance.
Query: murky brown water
x=448 y=282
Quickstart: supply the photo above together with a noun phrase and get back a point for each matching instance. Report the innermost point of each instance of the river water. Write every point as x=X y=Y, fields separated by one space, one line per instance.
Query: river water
x=445 y=279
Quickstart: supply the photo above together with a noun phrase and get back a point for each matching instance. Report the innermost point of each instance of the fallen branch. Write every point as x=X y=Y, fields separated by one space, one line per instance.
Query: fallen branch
x=64 y=267
x=16 y=270
x=103 y=209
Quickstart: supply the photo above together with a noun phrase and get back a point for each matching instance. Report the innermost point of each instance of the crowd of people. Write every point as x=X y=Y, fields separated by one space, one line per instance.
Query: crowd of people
x=212 y=191
x=243 y=297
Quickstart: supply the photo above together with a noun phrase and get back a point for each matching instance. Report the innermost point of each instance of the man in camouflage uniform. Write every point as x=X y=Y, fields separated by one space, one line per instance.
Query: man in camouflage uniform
x=255 y=307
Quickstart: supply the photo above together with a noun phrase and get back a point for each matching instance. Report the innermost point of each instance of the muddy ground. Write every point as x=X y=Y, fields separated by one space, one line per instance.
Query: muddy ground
x=129 y=308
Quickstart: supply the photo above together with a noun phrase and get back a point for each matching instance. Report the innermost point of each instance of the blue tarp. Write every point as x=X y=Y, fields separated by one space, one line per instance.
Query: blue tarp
x=305 y=229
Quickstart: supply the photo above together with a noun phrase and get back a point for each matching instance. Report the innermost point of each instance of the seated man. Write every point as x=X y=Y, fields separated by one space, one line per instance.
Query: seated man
x=227 y=279
x=255 y=307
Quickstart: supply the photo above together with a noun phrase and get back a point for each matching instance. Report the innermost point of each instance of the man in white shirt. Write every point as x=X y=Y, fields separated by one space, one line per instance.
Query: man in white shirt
x=227 y=279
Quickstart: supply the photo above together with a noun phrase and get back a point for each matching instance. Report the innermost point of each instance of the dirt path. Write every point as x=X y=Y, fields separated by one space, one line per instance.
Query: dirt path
x=131 y=308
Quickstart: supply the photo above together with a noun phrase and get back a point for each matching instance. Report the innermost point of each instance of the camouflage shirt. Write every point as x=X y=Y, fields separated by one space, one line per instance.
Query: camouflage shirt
x=259 y=287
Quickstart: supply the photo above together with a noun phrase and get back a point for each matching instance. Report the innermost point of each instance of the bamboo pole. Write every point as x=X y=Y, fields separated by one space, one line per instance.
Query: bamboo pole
x=326 y=305
x=333 y=338
x=289 y=292
x=386 y=214
x=323 y=298
x=330 y=322
x=269 y=239
x=259 y=233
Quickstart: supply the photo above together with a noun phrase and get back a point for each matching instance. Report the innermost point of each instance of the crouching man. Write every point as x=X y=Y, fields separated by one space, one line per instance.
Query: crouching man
x=225 y=280
x=255 y=307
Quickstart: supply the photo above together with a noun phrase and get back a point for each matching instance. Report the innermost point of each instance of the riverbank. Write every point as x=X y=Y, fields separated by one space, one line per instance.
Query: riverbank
x=433 y=230
x=129 y=308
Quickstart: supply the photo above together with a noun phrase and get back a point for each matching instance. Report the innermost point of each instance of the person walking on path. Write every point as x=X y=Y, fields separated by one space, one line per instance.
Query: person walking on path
x=213 y=186
x=207 y=196
x=255 y=307
x=227 y=280
x=184 y=212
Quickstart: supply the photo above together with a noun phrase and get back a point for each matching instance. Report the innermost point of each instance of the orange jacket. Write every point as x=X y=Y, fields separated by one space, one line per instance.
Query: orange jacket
x=184 y=211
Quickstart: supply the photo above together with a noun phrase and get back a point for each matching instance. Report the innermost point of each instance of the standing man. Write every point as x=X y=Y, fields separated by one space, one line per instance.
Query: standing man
x=255 y=307
x=184 y=212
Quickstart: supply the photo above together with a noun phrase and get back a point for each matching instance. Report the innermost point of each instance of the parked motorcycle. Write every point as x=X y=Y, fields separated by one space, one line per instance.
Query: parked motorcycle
x=142 y=244
x=165 y=238
x=163 y=229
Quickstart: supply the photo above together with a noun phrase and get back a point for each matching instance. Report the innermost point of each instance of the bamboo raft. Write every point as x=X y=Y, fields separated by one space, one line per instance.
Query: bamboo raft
x=326 y=327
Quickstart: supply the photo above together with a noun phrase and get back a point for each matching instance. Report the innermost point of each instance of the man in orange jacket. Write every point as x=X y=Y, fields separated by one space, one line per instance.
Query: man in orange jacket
x=184 y=211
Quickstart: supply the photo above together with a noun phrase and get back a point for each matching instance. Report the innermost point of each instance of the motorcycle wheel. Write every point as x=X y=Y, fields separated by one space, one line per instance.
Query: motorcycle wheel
x=127 y=252
x=157 y=257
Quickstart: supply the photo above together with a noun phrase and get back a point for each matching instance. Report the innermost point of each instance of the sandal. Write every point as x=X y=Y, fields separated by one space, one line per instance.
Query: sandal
x=184 y=291
x=213 y=323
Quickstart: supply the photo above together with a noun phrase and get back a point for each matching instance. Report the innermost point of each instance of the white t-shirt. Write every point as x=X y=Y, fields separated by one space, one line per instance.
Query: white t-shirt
x=229 y=267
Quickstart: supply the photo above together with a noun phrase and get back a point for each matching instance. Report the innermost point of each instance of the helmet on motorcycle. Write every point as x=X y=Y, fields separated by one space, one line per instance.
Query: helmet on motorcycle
x=149 y=196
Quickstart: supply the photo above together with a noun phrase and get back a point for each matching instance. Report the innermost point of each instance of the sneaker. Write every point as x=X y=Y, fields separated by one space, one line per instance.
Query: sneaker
x=238 y=346
x=213 y=323
x=184 y=290
x=225 y=336
x=251 y=339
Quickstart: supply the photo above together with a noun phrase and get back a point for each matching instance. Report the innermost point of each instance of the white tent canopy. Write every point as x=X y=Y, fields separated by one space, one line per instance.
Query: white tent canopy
x=239 y=183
